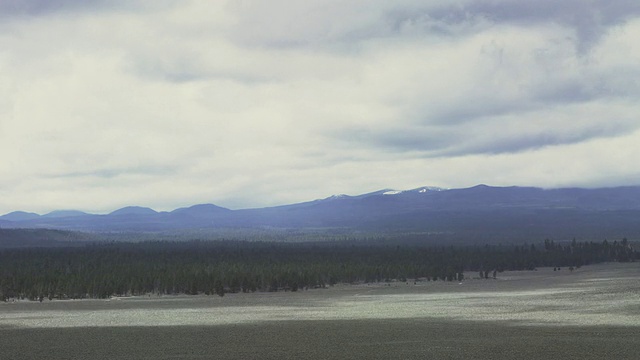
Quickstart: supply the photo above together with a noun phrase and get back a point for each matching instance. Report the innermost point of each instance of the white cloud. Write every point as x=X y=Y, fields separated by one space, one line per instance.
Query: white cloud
x=252 y=103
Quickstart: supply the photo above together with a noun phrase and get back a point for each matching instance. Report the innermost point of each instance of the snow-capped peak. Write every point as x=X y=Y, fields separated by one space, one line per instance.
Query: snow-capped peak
x=337 y=196
x=420 y=190
x=429 y=188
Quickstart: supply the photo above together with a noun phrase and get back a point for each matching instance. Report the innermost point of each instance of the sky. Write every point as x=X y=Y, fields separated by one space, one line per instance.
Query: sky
x=252 y=103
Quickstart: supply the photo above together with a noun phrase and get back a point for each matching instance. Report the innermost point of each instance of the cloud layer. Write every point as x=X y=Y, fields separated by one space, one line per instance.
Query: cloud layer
x=253 y=103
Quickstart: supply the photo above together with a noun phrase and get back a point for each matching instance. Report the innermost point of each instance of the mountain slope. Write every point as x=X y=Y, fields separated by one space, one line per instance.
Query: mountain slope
x=64 y=213
x=200 y=210
x=19 y=216
x=497 y=213
x=134 y=210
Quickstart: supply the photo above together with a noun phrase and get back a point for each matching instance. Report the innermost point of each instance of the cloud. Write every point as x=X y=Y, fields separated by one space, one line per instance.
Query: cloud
x=41 y=7
x=252 y=103
x=504 y=90
x=38 y=8
x=590 y=20
x=332 y=23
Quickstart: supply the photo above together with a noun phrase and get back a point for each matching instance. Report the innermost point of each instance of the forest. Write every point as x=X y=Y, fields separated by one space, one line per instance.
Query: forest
x=101 y=270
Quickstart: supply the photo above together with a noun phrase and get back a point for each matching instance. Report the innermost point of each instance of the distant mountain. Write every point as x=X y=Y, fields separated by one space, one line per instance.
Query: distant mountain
x=19 y=216
x=64 y=213
x=482 y=213
x=134 y=210
x=201 y=210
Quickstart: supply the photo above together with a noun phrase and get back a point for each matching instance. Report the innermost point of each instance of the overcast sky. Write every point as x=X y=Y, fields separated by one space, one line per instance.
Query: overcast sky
x=247 y=103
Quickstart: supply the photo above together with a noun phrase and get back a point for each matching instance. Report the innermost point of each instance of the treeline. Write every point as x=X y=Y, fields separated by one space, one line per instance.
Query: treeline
x=218 y=267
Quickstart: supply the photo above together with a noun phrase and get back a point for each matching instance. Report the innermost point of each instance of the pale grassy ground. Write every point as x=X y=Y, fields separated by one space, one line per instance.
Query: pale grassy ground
x=591 y=313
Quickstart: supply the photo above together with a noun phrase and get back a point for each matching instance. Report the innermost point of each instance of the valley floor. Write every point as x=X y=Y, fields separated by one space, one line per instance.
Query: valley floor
x=590 y=313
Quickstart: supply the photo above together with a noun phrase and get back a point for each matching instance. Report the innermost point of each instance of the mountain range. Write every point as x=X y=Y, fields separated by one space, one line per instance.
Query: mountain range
x=478 y=213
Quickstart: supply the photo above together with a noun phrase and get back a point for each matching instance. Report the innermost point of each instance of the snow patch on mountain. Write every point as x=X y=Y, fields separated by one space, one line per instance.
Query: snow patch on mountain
x=337 y=196
x=425 y=189
x=420 y=190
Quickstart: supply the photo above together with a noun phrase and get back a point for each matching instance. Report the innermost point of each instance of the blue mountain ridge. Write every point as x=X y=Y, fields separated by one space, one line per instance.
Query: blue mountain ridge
x=482 y=209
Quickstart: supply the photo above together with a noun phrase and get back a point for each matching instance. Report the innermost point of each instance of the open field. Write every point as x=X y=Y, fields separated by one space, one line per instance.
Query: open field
x=590 y=313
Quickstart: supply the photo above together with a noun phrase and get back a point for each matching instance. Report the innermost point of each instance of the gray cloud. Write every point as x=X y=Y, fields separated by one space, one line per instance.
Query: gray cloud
x=43 y=7
x=479 y=138
x=519 y=143
x=344 y=28
x=38 y=8
x=589 y=19
x=396 y=139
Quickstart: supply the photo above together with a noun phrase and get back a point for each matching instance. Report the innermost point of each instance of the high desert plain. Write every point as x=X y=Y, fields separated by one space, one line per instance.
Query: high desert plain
x=592 y=312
